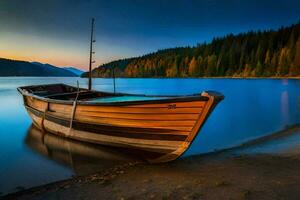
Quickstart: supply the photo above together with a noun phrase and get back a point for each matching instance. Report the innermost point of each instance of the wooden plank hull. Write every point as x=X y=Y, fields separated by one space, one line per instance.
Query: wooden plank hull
x=164 y=127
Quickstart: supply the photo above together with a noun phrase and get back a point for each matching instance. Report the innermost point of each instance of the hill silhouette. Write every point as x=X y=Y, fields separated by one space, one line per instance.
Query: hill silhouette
x=22 y=68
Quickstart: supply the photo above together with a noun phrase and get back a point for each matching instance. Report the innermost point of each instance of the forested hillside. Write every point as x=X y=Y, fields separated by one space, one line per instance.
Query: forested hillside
x=251 y=54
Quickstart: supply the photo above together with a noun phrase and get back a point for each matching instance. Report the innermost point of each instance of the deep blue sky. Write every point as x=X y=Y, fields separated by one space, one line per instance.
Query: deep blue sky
x=57 y=31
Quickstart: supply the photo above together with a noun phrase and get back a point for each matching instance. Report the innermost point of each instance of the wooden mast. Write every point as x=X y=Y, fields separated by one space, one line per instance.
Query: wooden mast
x=91 y=54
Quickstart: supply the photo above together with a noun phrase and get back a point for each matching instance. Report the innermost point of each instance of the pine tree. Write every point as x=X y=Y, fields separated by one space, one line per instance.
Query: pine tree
x=193 y=65
x=295 y=68
x=212 y=65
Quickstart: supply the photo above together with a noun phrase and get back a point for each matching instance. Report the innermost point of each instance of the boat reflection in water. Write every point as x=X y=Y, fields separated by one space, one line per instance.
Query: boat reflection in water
x=82 y=158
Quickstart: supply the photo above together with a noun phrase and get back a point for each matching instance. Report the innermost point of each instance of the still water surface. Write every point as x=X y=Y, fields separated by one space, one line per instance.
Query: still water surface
x=252 y=108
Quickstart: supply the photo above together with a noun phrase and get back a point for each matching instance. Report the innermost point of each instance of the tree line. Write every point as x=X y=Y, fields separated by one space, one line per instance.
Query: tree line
x=271 y=53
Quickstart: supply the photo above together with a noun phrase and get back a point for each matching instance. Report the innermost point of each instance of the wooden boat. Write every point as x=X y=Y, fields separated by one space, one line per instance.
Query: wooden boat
x=161 y=124
x=165 y=126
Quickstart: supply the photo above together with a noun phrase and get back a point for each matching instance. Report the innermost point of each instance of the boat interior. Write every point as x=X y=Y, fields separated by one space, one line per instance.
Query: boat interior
x=64 y=92
x=69 y=93
x=61 y=92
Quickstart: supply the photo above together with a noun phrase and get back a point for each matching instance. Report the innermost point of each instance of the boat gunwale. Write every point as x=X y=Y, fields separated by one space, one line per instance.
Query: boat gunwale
x=170 y=99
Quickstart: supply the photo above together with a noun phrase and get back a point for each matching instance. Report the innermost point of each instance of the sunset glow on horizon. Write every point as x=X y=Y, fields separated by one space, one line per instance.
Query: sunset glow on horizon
x=57 y=32
x=61 y=53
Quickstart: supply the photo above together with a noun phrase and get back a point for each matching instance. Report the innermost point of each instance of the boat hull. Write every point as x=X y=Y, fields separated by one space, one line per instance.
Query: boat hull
x=165 y=128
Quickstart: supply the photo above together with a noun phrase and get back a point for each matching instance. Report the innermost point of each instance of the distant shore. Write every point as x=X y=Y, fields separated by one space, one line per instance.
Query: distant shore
x=214 y=77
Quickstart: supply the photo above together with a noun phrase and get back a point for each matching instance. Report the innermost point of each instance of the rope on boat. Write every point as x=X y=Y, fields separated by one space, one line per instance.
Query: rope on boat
x=74 y=108
x=44 y=116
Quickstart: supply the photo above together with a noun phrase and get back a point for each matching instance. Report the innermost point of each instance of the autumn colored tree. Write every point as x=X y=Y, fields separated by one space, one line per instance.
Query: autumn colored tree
x=295 y=69
x=193 y=67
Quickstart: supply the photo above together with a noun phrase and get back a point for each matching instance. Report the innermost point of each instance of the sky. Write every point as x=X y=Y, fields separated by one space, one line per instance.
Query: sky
x=58 y=31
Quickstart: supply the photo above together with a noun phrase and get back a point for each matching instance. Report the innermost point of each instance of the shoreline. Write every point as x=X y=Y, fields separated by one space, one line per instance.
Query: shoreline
x=221 y=176
x=228 y=172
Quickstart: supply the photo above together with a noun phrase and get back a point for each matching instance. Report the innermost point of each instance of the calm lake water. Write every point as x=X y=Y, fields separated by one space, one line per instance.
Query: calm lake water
x=252 y=108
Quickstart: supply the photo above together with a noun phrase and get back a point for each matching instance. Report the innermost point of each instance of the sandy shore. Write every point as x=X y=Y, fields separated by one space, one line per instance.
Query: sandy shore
x=217 y=176
x=245 y=172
